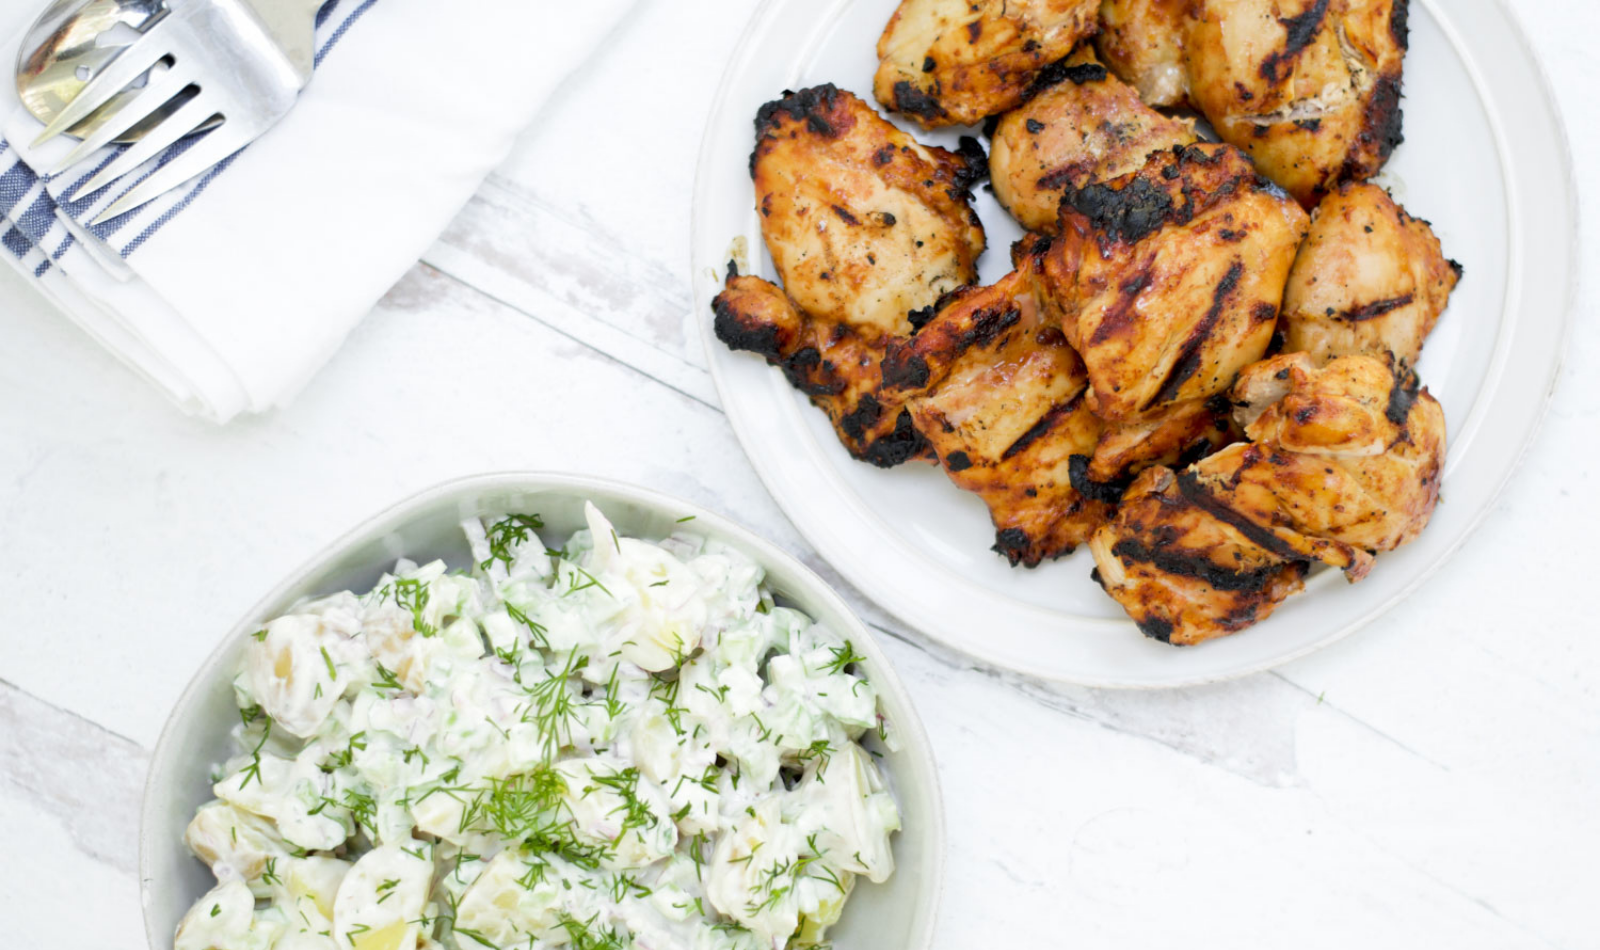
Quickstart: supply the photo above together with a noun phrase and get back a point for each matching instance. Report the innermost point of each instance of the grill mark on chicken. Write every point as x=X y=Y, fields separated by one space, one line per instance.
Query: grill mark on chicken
x=1109 y=492
x=1400 y=23
x=913 y=101
x=1013 y=544
x=1190 y=488
x=812 y=105
x=799 y=368
x=988 y=324
x=1156 y=628
x=903 y=369
x=1401 y=396
x=1376 y=309
x=1131 y=213
x=737 y=334
x=866 y=415
x=1188 y=362
x=845 y=216
x=1119 y=316
x=1383 y=125
x=1196 y=566
x=1301 y=31
x=1059 y=177
x=1045 y=424
x=898 y=447
x=1058 y=72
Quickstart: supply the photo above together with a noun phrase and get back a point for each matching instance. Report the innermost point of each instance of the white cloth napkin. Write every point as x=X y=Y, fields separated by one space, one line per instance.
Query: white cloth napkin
x=230 y=292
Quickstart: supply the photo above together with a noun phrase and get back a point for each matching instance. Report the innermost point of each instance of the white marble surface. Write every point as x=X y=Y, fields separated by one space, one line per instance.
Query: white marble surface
x=1429 y=782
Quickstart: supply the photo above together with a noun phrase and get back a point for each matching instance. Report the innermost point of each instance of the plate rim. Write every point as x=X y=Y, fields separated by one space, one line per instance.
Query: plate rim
x=1549 y=381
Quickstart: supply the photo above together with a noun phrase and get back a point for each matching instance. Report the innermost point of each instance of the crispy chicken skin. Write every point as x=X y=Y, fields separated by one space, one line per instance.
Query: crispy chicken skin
x=863 y=223
x=1088 y=126
x=1342 y=461
x=1167 y=281
x=1142 y=42
x=1310 y=88
x=998 y=394
x=956 y=62
x=1368 y=279
x=1183 y=574
x=829 y=362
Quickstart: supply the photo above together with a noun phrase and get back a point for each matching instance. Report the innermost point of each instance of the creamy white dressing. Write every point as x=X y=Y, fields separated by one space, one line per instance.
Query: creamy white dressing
x=623 y=744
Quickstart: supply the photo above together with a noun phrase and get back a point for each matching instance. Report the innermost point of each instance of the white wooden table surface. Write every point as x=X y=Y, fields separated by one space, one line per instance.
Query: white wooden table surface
x=1431 y=781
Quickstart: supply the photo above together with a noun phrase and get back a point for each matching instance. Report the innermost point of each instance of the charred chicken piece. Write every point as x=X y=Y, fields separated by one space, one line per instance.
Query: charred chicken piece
x=956 y=62
x=1142 y=41
x=1343 y=461
x=1310 y=88
x=1167 y=281
x=1087 y=126
x=1368 y=279
x=831 y=363
x=1174 y=436
x=1183 y=574
x=998 y=394
x=863 y=223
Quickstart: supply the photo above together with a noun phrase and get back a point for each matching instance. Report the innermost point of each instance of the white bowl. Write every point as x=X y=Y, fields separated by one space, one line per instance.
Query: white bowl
x=897 y=915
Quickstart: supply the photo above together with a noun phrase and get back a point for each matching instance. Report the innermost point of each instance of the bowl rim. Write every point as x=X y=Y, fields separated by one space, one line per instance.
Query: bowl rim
x=395 y=515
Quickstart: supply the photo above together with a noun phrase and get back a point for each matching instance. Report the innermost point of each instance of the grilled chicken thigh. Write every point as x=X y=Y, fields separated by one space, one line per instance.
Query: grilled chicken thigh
x=1342 y=461
x=863 y=223
x=1142 y=42
x=1167 y=281
x=998 y=394
x=1350 y=452
x=837 y=367
x=1368 y=279
x=1310 y=88
x=1087 y=126
x=956 y=62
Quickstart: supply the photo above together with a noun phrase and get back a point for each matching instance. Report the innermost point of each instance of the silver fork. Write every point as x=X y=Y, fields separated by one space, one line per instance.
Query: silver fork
x=243 y=61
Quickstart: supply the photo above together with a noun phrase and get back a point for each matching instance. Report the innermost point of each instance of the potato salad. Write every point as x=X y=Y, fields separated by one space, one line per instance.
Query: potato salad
x=618 y=744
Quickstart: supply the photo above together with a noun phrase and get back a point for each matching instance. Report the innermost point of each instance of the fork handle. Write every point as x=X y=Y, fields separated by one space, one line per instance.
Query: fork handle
x=293 y=25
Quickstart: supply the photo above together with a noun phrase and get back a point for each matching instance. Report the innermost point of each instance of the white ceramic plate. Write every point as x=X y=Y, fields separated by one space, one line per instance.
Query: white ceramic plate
x=896 y=915
x=1485 y=159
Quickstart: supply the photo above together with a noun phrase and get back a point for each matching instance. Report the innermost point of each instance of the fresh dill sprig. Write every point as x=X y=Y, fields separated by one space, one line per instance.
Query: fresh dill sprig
x=253 y=770
x=843 y=657
x=821 y=751
x=386 y=678
x=517 y=805
x=506 y=534
x=588 y=935
x=635 y=813
x=554 y=707
x=343 y=758
x=536 y=630
x=589 y=580
x=412 y=594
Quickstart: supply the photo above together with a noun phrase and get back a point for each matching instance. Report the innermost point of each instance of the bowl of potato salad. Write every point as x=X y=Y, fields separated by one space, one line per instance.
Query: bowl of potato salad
x=528 y=711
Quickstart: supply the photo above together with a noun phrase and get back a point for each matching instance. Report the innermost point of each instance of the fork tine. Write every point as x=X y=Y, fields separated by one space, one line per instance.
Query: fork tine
x=175 y=127
x=128 y=65
x=216 y=146
x=151 y=98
